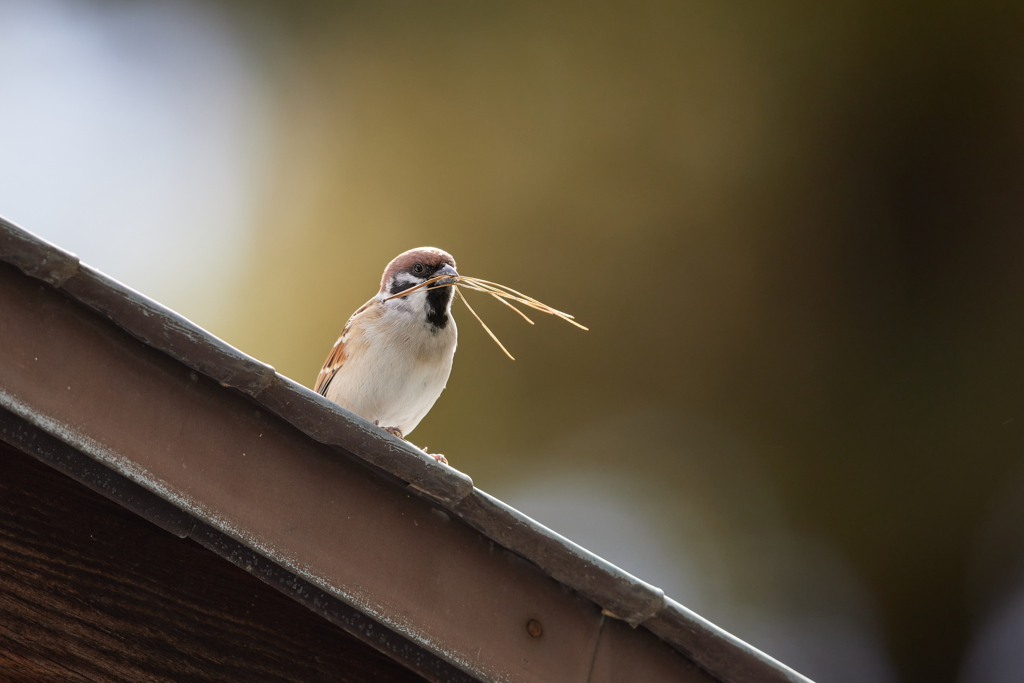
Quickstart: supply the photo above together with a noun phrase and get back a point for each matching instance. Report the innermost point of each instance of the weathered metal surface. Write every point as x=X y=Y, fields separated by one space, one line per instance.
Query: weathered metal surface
x=35 y=256
x=162 y=329
x=622 y=594
x=715 y=650
x=327 y=422
x=159 y=328
x=624 y=655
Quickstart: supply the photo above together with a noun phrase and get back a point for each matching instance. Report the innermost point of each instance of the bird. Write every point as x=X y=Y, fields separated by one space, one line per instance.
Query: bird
x=394 y=355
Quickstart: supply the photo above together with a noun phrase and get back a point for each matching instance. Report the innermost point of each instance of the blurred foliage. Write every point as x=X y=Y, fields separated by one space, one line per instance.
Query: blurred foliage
x=800 y=223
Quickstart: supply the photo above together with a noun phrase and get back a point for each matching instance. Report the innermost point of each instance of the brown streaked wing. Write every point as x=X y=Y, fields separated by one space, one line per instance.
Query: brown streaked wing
x=338 y=354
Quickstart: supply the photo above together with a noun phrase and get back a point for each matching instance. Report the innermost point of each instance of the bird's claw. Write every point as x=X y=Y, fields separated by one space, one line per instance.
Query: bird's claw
x=398 y=432
x=394 y=431
x=436 y=456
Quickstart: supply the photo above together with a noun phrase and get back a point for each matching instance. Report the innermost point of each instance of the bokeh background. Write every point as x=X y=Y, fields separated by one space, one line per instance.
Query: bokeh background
x=794 y=229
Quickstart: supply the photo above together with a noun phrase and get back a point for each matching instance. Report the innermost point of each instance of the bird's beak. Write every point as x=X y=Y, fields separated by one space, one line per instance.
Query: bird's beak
x=453 y=275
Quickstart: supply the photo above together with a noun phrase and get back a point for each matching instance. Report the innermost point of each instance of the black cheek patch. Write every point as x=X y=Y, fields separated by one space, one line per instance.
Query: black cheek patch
x=395 y=287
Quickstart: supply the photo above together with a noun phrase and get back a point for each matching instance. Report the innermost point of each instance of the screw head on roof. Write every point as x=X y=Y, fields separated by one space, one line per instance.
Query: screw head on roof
x=534 y=628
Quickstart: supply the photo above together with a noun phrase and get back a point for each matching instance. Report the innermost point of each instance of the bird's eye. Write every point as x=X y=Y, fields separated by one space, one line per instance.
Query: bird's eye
x=418 y=269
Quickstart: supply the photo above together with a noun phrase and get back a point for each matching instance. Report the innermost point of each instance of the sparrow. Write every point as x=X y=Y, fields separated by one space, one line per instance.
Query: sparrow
x=394 y=355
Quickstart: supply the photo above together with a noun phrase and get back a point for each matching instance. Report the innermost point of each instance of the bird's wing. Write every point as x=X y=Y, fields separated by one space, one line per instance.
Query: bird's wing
x=338 y=354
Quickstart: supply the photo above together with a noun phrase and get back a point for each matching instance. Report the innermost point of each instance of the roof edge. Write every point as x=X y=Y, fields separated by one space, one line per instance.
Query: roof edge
x=620 y=594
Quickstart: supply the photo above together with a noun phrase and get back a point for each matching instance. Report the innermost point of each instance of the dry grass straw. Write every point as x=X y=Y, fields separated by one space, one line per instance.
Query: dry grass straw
x=500 y=292
x=482 y=324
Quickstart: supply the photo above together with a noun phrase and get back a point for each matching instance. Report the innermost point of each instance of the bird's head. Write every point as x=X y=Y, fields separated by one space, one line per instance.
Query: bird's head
x=414 y=267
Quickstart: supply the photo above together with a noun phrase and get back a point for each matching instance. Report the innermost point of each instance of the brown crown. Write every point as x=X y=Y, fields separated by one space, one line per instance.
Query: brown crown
x=428 y=256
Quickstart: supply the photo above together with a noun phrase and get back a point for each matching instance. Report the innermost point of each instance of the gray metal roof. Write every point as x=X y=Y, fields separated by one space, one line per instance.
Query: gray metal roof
x=615 y=591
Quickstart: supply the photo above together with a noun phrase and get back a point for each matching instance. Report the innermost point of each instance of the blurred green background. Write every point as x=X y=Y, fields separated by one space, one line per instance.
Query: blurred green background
x=793 y=229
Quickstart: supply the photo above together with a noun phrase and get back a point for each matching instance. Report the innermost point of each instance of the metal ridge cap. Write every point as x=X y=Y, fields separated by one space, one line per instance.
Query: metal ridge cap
x=624 y=596
x=168 y=331
x=717 y=651
x=142 y=317
x=620 y=594
x=35 y=256
x=325 y=421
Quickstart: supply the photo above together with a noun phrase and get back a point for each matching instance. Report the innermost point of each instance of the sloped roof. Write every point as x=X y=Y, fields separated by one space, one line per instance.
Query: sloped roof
x=302 y=483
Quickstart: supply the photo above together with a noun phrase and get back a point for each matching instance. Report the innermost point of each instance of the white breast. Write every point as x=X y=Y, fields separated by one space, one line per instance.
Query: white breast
x=397 y=368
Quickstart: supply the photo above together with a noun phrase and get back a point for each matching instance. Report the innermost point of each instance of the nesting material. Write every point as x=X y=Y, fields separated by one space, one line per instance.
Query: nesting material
x=500 y=292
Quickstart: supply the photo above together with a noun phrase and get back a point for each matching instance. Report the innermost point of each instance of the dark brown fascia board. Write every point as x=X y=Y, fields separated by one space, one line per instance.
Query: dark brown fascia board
x=618 y=593
x=151 y=507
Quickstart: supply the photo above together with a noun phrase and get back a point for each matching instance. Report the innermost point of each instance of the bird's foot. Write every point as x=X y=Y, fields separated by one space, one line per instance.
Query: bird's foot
x=395 y=431
x=398 y=432
x=436 y=456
